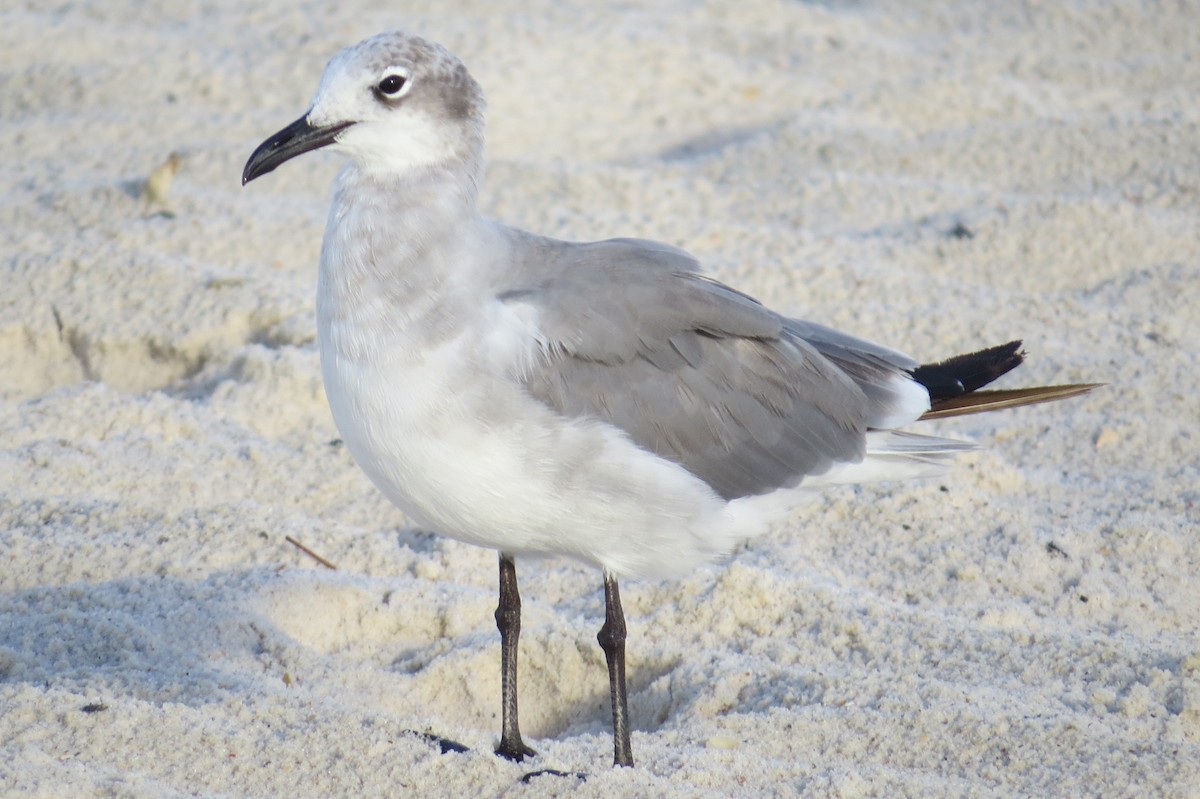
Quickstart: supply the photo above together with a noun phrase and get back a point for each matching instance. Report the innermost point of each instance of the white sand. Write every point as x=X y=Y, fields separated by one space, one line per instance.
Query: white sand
x=1024 y=627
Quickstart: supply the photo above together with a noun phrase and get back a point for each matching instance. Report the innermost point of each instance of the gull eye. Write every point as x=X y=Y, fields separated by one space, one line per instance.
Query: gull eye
x=393 y=84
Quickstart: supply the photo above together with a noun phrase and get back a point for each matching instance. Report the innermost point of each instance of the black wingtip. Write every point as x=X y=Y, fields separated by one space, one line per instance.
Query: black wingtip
x=963 y=374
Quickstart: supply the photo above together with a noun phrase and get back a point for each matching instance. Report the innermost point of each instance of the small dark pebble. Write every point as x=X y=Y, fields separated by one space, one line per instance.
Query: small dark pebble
x=1083 y=599
x=960 y=231
x=1055 y=549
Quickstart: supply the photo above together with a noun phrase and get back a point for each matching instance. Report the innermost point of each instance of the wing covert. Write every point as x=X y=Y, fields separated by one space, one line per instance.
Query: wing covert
x=688 y=368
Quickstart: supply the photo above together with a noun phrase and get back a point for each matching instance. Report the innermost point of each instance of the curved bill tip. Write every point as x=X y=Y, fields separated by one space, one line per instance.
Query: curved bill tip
x=297 y=138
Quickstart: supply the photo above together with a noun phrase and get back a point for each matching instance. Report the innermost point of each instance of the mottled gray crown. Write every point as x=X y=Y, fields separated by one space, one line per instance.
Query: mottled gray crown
x=444 y=79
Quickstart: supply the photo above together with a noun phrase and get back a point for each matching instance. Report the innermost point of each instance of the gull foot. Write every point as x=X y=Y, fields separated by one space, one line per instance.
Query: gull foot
x=515 y=752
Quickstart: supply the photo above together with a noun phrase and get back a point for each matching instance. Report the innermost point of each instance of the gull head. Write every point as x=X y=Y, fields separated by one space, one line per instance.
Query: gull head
x=395 y=103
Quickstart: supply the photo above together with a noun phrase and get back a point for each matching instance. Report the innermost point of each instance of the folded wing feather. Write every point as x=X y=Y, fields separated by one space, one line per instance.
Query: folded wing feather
x=697 y=372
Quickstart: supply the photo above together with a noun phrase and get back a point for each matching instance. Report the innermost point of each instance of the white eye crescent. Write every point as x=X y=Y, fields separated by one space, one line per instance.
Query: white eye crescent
x=394 y=83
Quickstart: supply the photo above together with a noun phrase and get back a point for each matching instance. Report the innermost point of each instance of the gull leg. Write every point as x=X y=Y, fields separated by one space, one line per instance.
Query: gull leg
x=508 y=621
x=612 y=641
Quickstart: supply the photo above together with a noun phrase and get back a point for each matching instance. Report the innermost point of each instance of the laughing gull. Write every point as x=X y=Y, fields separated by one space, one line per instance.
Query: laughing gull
x=599 y=400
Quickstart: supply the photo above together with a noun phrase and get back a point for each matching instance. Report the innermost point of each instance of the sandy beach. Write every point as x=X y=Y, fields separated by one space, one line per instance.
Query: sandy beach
x=935 y=176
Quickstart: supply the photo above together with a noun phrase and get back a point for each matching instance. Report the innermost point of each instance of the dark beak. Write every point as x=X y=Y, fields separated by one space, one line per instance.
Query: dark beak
x=297 y=138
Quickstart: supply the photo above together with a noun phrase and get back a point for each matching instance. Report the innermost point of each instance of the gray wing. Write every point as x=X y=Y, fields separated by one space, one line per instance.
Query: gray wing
x=695 y=371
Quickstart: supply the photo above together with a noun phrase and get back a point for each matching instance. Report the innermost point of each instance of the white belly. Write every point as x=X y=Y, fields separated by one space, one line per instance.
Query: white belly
x=465 y=452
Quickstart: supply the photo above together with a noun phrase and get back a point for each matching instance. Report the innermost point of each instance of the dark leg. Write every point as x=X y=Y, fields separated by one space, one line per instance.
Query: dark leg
x=508 y=620
x=612 y=641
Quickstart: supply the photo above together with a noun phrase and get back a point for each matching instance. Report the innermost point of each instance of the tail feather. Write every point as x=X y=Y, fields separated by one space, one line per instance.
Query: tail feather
x=894 y=455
